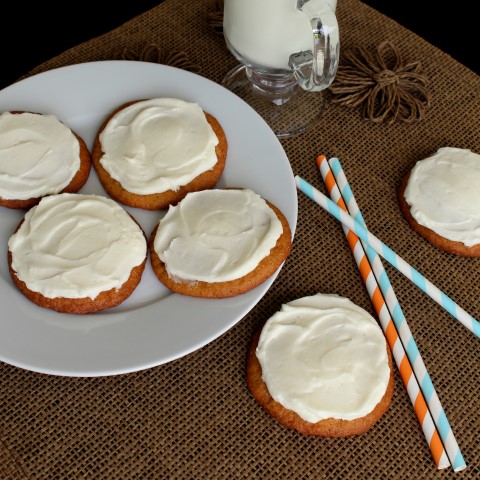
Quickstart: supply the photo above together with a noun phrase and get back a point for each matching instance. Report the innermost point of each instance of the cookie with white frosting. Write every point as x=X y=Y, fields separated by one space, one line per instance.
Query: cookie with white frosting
x=39 y=156
x=321 y=366
x=150 y=153
x=219 y=243
x=440 y=198
x=77 y=253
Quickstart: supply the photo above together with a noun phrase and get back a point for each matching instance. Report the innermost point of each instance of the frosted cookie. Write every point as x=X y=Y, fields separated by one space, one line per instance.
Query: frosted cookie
x=150 y=153
x=39 y=155
x=440 y=198
x=321 y=366
x=77 y=253
x=219 y=243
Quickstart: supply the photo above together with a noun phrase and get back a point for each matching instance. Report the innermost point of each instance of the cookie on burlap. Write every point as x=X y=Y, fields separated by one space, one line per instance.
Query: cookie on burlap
x=77 y=253
x=440 y=199
x=321 y=366
x=39 y=156
x=160 y=150
x=219 y=243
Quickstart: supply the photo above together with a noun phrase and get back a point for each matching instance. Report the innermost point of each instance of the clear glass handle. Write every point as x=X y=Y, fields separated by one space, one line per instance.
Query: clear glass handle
x=315 y=69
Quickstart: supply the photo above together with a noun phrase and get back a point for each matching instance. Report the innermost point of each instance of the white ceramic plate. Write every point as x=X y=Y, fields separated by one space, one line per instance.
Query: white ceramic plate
x=153 y=326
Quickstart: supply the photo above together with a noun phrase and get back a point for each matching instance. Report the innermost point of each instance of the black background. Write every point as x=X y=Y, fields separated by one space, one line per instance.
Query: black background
x=32 y=33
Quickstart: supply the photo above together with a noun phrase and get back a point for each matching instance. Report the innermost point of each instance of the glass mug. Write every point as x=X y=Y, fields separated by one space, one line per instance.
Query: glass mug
x=283 y=46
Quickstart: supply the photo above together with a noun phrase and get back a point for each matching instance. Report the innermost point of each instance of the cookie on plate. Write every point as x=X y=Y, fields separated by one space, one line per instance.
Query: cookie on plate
x=321 y=366
x=77 y=253
x=219 y=243
x=150 y=153
x=440 y=199
x=39 y=156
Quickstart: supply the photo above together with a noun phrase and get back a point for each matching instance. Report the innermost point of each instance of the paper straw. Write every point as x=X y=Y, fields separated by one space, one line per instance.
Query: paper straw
x=388 y=254
x=413 y=353
x=436 y=409
x=402 y=361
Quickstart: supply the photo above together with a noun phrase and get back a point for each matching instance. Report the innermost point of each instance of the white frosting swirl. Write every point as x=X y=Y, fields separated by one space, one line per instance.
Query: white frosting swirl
x=324 y=357
x=76 y=246
x=216 y=235
x=157 y=145
x=444 y=194
x=39 y=155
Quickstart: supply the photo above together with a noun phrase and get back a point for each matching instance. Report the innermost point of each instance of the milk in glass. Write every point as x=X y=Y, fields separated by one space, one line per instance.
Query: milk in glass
x=266 y=32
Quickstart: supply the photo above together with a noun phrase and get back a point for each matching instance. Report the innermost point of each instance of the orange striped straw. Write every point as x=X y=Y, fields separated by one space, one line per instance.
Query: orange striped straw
x=398 y=351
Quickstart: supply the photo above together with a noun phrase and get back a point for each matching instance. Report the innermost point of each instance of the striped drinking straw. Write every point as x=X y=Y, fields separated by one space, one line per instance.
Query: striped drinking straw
x=404 y=366
x=388 y=254
x=406 y=337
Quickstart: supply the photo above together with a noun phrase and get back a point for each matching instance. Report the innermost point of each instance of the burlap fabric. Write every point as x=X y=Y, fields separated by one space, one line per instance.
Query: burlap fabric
x=193 y=418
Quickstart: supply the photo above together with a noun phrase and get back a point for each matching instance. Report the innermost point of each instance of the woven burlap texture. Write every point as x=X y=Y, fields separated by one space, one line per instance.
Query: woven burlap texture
x=194 y=418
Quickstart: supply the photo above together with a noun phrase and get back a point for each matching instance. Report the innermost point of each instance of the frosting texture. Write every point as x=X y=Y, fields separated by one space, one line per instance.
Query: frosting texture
x=39 y=155
x=216 y=235
x=157 y=145
x=76 y=246
x=443 y=192
x=323 y=357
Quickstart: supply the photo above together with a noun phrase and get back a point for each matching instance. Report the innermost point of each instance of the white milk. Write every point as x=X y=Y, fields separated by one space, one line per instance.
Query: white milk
x=267 y=32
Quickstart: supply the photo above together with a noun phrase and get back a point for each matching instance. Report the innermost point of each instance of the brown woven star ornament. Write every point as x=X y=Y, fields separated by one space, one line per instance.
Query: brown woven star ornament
x=387 y=88
x=215 y=18
x=155 y=54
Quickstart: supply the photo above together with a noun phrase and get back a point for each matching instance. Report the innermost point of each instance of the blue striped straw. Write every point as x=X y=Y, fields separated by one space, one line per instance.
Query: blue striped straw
x=434 y=405
x=388 y=254
x=404 y=365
